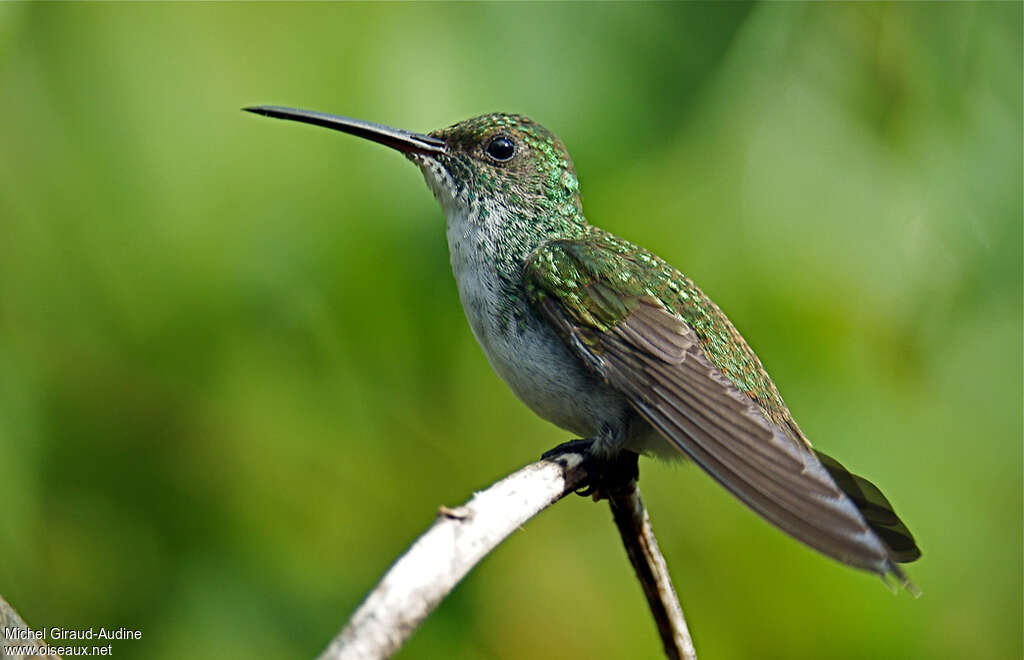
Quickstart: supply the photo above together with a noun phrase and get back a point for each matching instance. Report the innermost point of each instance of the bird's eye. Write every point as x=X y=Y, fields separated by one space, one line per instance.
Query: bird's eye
x=501 y=149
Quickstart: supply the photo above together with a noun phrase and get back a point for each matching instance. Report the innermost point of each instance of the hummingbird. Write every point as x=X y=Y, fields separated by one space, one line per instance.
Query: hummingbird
x=608 y=341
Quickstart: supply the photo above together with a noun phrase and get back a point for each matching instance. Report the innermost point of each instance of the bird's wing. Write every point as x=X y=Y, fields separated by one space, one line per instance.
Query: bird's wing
x=606 y=310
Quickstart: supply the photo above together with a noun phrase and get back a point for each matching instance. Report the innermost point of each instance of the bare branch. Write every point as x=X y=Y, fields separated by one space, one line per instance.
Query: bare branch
x=652 y=571
x=417 y=582
x=454 y=544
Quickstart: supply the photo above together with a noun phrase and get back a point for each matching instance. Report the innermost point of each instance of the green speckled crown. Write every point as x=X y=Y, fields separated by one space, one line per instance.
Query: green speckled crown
x=541 y=185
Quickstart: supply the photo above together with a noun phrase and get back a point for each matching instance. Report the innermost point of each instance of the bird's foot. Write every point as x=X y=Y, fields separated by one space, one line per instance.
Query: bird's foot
x=578 y=446
x=607 y=473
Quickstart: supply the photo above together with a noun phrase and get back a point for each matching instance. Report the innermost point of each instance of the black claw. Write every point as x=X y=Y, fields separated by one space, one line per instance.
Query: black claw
x=580 y=446
x=618 y=472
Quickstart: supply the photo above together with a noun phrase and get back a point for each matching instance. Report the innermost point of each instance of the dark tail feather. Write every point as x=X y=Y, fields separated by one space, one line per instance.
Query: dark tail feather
x=876 y=510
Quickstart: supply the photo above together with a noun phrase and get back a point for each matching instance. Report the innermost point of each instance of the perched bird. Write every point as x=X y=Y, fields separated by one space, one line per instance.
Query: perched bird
x=608 y=341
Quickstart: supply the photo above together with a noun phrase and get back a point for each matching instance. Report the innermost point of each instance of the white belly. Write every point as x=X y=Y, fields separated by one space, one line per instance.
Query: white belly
x=523 y=350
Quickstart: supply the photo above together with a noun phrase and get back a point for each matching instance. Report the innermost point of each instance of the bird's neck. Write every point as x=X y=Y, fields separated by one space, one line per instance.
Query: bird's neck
x=489 y=246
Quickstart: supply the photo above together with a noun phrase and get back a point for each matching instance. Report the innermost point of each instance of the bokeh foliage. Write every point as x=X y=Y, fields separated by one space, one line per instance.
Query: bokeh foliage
x=235 y=379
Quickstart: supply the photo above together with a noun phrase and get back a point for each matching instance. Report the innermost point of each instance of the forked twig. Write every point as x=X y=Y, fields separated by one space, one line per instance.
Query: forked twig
x=420 y=578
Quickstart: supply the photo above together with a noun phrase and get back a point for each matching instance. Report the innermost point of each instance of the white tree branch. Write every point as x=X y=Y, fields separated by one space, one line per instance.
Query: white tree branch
x=418 y=581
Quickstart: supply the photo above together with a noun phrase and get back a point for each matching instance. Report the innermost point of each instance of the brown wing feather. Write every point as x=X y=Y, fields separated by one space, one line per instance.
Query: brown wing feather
x=657 y=361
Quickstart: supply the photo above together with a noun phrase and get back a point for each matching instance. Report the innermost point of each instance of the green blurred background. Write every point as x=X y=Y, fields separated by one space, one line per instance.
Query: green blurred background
x=236 y=381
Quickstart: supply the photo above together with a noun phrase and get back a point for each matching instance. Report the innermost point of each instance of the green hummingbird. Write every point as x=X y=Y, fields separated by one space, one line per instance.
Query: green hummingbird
x=608 y=341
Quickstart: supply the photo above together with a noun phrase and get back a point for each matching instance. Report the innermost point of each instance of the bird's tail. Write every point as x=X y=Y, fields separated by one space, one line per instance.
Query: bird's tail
x=877 y=511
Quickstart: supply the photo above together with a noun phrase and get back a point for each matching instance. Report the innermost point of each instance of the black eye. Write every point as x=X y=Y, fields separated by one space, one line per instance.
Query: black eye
x=501 y=148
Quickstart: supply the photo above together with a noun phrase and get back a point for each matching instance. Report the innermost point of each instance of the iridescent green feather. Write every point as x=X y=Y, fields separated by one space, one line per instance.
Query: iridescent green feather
x=599 y=278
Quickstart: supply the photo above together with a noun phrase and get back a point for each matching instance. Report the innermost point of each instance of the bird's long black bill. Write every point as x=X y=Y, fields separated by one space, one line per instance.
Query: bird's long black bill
x=396 y=138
